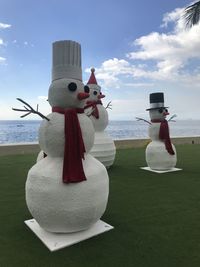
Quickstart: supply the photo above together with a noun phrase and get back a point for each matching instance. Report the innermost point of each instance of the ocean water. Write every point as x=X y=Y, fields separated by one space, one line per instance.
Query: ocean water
x=23 y=131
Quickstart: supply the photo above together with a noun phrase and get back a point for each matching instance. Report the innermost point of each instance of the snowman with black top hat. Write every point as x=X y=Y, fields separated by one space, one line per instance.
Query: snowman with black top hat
x=160 y=153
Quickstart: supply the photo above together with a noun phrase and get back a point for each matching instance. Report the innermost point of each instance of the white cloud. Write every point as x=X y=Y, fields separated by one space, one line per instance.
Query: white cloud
x=173 y=16
x=139 y=84
x=157 y=56
x=109 y=71
x=2 y=59
x=112 y=70
x=4 y=26
x=180 y=46
x=115 y=65
x=170 y=51
x=27 y=44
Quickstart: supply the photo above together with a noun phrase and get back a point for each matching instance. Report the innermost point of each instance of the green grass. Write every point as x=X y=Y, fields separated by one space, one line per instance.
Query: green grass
x=156 y=217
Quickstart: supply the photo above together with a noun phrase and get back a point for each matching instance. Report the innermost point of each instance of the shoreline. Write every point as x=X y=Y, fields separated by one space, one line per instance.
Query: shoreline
x=33 y=147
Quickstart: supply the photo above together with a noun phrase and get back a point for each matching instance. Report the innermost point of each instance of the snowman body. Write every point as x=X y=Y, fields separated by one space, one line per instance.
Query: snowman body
x=157 y=157
x=57 y=206
x=104 y=148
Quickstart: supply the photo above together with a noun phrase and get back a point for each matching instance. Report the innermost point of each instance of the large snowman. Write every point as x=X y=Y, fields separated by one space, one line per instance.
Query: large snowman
x=104 y=148
x=160 y=153
x=67 y=191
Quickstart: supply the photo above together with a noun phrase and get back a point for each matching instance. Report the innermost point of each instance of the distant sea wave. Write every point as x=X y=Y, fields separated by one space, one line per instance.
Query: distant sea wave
x=23 y=131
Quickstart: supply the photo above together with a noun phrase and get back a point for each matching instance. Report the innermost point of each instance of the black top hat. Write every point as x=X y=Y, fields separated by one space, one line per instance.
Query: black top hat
x=156 y=101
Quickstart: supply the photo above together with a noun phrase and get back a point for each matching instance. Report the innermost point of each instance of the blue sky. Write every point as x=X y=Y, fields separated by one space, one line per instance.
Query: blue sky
x=136 y=47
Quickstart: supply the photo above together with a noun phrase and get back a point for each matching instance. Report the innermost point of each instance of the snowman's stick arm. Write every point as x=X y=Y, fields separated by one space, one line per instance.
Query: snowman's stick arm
x=171 y=118
x=140 y=119
x=17 y=109
x=109 y=105
x=19 y=99
x=25 y=115
x=41 y=115
x=29 y=111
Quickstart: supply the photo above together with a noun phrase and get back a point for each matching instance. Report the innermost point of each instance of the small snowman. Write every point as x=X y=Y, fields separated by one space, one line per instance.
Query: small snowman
x=67 y=190
x=104 y=148
x=160 y=153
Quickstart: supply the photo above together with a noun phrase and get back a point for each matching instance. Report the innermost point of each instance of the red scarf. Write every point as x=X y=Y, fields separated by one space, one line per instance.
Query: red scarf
x=164 y=135
x=93 y=104
x=74 y=147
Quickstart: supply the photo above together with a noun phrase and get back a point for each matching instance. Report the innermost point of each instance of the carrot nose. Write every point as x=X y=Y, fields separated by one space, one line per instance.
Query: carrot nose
x=101 y=96
x=82 y=96
x=165 y=113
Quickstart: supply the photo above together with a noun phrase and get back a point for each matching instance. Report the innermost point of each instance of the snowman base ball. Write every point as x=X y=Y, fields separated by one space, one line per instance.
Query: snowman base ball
x=103 y=149
x=158 y=158
x=66 y=208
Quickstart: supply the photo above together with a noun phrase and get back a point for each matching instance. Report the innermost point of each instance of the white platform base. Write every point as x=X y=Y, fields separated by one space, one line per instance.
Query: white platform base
x=55 y=241
x=157 y=171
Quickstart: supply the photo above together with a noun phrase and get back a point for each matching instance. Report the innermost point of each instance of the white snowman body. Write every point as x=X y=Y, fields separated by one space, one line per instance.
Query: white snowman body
x=57 y=206
x=157 y=157
x=40 y=156
x=104 y=148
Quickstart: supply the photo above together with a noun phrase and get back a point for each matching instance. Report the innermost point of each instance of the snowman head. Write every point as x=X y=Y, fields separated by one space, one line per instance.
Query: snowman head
x=95 y=93
x=157 y=110
x=67 y=89
x=95 y=89
x=68 y=93
x=158 y=114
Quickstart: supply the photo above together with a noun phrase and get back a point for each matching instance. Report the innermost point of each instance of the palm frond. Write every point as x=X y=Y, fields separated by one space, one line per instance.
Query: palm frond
x=192 y=15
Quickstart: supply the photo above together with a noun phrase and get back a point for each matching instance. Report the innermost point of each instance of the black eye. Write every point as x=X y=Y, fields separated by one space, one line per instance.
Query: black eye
x=166 y=110
x=95 y=92
x=86 y=89
x=100 y=93
x=72 y=87
x=160 y=110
